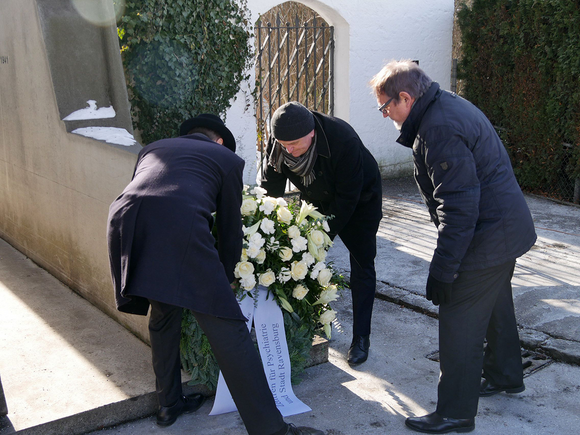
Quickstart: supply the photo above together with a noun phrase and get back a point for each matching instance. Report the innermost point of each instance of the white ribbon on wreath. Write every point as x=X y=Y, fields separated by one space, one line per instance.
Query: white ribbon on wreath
x=271 y=337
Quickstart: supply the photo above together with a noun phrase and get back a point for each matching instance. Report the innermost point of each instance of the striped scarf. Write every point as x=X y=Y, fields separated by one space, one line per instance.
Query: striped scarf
x=303 y=166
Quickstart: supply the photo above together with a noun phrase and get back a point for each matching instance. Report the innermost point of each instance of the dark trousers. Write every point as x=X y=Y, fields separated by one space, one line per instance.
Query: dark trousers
x=360 y=238
x=237 y=358
x=481 y=307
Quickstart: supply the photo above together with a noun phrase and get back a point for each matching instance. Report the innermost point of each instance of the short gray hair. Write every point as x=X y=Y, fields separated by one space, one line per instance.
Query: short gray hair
x=400 y=76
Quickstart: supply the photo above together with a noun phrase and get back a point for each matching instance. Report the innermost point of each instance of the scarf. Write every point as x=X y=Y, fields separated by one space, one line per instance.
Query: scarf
x=303 y=165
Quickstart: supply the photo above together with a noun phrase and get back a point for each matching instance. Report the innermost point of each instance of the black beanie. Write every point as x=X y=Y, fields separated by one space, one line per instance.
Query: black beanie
x=292 y=121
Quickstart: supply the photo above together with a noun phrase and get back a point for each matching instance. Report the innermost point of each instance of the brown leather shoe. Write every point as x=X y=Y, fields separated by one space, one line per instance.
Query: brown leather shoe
x=167 y=415
x=488 y=389
x=434 y=423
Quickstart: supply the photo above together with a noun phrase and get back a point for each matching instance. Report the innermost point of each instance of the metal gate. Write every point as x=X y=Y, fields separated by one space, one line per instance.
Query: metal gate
x=294 y=62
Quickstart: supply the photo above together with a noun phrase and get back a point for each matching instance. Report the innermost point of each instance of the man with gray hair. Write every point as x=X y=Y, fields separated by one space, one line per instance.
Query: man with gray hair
x=466 y=180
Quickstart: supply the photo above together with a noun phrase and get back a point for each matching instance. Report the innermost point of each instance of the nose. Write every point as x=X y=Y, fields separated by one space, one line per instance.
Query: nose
x=385 y=114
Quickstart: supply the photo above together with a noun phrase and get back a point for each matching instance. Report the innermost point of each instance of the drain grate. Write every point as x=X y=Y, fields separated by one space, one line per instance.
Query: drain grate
x=531 y=361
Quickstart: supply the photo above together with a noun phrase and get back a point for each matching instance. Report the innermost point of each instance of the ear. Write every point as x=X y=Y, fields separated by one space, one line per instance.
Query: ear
x=219 y=140
x=406 y=99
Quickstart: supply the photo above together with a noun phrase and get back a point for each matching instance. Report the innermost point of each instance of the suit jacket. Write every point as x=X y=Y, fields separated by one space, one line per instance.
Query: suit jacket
x=348 y=181
x=159 y=229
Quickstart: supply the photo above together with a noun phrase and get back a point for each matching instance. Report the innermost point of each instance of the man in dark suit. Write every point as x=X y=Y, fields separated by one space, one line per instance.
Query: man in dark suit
x=326 y=160
x=466 y=179
x=163 y=255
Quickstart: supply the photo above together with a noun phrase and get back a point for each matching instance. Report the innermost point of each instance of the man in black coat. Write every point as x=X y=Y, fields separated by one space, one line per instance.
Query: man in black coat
x=163 y=255
x=466 y=180
x=326 y=160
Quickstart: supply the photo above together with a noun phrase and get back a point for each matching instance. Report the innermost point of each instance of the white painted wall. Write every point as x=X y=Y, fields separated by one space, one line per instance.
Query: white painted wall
x=368 y=34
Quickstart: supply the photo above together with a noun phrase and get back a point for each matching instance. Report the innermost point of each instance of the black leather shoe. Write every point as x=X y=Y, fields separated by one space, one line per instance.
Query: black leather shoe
x=359 y=349
x=167 y=415
x=488 y=389
x=434 y=423
x=302 y=430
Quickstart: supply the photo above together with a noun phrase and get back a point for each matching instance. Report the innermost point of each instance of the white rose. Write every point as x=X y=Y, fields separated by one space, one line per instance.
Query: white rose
x=284 y=215
x=293 y=232
x=268 y=278
x=299 y=244
x=298 y=270
x=286 y=253
x=324 y=277
x=259 y=192
x=285 y=275
x=244 y=269
x=261 y=257
x=267 y=226
x=248 y=283
x=249 y=206
x=317 y=237
x=327 y=317
x=299 y=292
x=268 y=205
x=244 y=255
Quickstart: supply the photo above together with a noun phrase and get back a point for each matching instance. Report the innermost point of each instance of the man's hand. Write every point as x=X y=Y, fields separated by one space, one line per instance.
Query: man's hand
x=437 y=291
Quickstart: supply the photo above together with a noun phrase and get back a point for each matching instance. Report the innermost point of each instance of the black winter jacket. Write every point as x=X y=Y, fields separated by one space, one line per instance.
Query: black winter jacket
x=466 y=179
x=348 y=181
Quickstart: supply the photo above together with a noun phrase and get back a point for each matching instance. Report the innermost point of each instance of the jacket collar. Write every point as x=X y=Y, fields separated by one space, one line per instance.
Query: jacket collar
x=322 y=147
x=413 y=121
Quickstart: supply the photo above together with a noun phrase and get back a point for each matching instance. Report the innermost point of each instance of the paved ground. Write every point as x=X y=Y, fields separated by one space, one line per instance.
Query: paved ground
x=67 y=368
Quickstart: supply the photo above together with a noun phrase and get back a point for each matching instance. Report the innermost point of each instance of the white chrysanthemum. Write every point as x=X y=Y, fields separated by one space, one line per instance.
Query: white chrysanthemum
x=299 y=292
x=267 y=226
x=299 y=244
x=268 y=205
x=256 y=239
x=308 y=259
x=259 y=192
x=298 y=269
x=253 y=251
x=316 y=269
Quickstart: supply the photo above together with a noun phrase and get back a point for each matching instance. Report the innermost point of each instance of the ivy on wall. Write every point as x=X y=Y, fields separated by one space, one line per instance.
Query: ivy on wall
x=521 y=66
x=182 y=58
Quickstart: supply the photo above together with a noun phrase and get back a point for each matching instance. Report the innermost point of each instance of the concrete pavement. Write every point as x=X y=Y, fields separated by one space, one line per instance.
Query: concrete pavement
x=67 y=368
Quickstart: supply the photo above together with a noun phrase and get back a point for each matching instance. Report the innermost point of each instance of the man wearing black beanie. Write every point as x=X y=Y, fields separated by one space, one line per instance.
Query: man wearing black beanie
x=326 y=160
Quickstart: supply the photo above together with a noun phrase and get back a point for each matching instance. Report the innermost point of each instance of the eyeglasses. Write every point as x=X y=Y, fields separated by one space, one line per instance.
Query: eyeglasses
x=383 y=108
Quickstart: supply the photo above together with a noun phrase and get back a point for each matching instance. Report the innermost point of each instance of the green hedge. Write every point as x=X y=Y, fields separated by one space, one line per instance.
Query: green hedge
x=182 y=58
x=521 y=66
